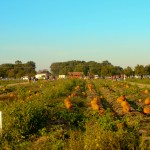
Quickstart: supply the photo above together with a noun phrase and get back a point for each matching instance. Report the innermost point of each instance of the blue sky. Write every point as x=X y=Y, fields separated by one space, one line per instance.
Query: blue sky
x=47 y=31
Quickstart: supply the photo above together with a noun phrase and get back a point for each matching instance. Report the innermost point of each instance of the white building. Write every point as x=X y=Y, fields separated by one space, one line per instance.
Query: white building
x=41 y=76
x=62 y=76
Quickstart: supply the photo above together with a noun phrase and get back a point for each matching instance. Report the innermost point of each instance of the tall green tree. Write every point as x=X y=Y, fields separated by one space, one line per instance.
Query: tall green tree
x=139 y=70
x=128 y=71
x=29 y=68
x=147 y=69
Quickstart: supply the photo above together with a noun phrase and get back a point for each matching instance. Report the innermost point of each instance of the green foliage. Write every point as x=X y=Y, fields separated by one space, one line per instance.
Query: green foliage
x=96 y=137
x=25 y=120
x=42 y=121
x=88 y=68
x=107 y=122
x=73 y=119
x=17 y=70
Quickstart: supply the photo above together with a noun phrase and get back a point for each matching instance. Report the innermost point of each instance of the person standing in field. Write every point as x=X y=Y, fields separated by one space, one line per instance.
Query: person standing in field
x=29 y=79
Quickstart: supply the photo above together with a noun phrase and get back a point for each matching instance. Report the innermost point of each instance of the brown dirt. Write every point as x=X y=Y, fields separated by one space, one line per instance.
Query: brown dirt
x=140 y=84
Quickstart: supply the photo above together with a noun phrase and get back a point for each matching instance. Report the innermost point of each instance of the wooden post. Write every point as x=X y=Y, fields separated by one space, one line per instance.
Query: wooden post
x=1 y=123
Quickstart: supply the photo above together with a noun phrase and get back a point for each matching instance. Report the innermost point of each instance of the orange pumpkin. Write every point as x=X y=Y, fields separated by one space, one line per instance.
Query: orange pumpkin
x=124 y=104
x=95 y=100
x=68 y=103
x=95 y=106
x=146 y=91
x=147 y=101
x=11 y=95
x=126 y=109
x=90 y=87
x=146 y=110
x=73 y=94
x=121 y=98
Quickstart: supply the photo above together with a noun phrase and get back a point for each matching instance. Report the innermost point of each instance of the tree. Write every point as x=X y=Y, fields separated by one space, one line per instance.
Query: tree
x=128 y=71
x=81 y=67
x=106 y=70
x=116 y=70
x=17 y=70
x=11 y=73
x=4 y=68
x=147 y=69
x=106 y=63
x=29 y=68
x=55 y=67
x=18 y=62
x=139 y=70
x=94 y=68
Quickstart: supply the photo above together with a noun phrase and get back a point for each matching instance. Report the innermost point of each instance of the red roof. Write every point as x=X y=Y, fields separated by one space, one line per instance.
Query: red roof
x=75 y=73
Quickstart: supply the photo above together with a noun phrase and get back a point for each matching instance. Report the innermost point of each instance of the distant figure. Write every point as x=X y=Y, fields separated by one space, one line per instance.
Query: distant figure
x=47 y=77
x=29 y=79
x=34 y=79
x=124 y=77
x=54 y=77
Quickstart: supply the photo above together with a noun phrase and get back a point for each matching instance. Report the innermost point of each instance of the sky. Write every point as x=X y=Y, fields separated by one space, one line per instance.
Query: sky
x=48 y=31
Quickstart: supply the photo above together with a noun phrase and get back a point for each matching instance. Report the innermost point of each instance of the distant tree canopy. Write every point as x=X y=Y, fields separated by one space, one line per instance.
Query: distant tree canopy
x=88 y=68
x=17 y=70
x=105 y=68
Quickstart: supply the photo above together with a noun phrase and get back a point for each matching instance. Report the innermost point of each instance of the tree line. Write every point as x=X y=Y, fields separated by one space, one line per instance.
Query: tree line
x=17 y=70
x=105 y=68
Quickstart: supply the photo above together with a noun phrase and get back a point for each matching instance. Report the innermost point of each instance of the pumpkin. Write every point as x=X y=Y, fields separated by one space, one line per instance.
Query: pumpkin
x=90 y=87
x=73 y=94
x=11 y=95
x=147 y=101
x=124 y=104
x=126 y=109
x=146 y=91
x=68 y=103
x=146 y=110
x=94 y=101
x=95 y=106
x=121 y=98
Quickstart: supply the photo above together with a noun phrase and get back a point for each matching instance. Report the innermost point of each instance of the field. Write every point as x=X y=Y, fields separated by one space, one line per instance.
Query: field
x=75 y=114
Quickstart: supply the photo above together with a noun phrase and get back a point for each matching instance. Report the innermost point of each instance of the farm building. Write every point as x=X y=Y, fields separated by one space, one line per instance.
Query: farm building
x=75 y=74
x=61 y=76
x=41 y=76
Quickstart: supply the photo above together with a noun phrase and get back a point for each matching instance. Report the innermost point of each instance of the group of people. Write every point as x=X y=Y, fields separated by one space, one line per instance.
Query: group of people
x=30 y=78
x=118 y=77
